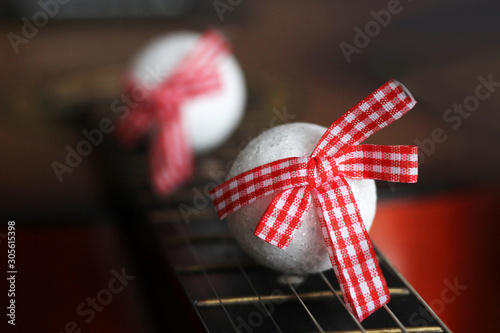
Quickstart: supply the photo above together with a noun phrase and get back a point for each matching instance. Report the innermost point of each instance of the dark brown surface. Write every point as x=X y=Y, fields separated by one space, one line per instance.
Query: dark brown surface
x=437 y=50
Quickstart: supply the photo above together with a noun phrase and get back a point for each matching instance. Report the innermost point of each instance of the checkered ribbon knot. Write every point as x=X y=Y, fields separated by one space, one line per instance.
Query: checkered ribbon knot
x=171 y=155
x=321 y=179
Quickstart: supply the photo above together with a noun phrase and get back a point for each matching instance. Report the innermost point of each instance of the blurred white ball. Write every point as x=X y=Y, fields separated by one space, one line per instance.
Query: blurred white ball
x=208 y=119
x=307 y=252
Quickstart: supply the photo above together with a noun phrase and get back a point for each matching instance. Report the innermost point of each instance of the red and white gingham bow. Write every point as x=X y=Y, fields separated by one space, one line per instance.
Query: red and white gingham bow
x=322 y=177
x=171 y=155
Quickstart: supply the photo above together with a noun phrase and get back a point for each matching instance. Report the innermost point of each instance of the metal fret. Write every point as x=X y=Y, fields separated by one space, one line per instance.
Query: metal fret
x=218 y=267
x=171 y=241
x=211 y=285
x=288 y=297
x=260 y=298
x=305 y=307
x=337 y=295
x=396 y=320
x=172 y=216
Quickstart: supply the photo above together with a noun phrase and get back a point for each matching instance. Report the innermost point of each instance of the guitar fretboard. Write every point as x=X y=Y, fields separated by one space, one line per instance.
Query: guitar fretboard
x=229 y=292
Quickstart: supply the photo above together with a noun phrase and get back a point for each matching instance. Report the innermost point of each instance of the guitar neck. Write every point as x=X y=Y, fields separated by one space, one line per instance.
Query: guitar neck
x=223 y=290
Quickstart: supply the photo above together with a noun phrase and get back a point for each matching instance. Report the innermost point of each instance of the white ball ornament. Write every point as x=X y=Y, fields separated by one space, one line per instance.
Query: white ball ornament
x=307 y=252
x=208 y=119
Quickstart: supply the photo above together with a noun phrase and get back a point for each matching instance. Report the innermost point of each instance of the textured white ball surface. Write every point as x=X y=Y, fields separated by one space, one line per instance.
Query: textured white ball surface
x=208 y=119
x=307 y=252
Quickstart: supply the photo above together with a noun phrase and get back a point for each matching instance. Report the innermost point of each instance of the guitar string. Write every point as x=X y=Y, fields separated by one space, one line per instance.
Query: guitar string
x=258 y=295
x=304 y=305
x=423 y=304
x=214 y=289
x=342 y=302
x=205 y=274
x=396 y=320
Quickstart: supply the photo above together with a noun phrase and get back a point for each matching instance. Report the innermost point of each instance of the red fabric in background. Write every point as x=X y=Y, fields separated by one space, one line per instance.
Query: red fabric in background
x=447 y=239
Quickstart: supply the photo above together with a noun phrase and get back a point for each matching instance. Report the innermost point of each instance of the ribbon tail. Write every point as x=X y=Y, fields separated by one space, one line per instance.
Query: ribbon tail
x=389 y=163
x=171 y=157
x=284 y=216
x=352 y=255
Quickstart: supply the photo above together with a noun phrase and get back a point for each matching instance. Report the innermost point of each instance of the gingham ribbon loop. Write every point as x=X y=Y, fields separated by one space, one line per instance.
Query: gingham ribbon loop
x=171 y=155
x=321 y=178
